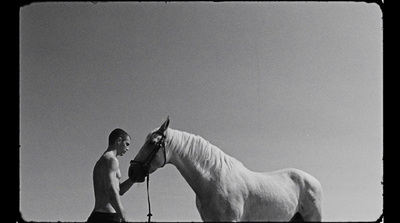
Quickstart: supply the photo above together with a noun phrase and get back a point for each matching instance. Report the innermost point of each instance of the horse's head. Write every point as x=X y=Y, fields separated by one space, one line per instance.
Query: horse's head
x=151 y=156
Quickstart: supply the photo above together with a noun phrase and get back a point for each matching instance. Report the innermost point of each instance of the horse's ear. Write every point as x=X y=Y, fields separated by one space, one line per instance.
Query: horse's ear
x=164 y=126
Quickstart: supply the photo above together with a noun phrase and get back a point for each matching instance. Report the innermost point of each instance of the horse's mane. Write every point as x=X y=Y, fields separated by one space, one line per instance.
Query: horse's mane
x=197 y=148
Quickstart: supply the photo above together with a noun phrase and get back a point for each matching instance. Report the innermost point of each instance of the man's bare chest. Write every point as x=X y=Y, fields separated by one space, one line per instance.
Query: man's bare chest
x=118 y=174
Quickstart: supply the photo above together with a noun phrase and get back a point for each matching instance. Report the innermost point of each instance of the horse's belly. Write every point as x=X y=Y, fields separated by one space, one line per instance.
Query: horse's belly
x=272 y=199
x=268 y=211
x=220 y=209
x=258 y=208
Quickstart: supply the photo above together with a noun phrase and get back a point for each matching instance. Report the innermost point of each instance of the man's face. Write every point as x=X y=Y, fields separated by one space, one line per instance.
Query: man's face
x=123 y=146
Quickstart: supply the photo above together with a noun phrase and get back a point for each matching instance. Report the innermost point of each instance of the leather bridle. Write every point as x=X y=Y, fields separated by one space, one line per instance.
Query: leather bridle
x=146 y=165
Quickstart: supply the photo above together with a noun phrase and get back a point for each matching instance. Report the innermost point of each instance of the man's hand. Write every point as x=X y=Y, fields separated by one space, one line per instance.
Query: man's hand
x=125 y=186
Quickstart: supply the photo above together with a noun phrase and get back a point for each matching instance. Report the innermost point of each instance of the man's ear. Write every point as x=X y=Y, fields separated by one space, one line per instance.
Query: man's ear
x=164 y=127
x=119 y=140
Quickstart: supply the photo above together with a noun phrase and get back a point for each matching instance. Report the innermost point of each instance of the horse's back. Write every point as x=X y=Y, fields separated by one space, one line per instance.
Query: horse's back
x=304 y=178
x=299 y=177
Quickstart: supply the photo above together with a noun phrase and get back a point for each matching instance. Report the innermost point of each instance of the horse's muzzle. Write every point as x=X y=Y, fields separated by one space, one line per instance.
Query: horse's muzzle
x=137 y=172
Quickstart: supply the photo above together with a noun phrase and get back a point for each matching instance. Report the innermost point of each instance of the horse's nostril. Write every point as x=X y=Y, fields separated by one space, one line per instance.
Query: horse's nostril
x=141 y=180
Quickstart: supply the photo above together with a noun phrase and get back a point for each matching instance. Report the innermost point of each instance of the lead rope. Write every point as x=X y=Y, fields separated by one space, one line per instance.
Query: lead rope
x=148 y=186
x=148 y=198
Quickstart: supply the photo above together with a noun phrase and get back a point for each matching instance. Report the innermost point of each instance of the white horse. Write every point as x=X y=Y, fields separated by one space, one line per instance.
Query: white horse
x=225 y=189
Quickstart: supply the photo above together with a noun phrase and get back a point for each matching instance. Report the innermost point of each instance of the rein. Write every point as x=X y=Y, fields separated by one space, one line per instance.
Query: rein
x=145 y=165
x=148 y=198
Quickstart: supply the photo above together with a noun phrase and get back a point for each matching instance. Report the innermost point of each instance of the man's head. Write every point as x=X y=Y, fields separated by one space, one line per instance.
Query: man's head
x=119 y=140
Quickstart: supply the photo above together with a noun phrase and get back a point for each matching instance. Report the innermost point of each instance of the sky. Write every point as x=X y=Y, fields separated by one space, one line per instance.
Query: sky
x=273 y=84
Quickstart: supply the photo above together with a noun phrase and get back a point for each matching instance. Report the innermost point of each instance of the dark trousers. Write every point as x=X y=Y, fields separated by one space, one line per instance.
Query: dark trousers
x=102 y=217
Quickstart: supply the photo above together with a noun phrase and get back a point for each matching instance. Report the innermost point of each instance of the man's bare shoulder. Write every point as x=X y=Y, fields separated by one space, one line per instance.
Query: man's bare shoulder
x=109 y=160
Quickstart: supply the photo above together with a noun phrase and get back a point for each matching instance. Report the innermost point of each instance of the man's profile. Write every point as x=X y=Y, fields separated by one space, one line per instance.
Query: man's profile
x=106 y=180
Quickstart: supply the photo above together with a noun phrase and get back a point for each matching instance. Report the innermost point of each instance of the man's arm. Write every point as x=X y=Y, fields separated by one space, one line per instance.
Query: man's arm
x=124 y=187
x=113 y=188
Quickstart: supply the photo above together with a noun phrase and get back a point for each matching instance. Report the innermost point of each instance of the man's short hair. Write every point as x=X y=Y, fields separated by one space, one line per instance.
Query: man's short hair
x=115 y=134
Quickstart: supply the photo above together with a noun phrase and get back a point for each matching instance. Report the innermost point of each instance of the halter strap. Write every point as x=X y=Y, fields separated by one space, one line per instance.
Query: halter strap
x=160 y=144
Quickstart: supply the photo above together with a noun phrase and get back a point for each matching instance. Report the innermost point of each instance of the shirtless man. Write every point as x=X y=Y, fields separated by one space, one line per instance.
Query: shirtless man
x=106 y=176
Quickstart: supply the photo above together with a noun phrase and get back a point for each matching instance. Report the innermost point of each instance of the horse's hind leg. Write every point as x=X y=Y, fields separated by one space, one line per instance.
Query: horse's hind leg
x=311 y=200
x=297 y=218
x=312 y=216
x=311 y=207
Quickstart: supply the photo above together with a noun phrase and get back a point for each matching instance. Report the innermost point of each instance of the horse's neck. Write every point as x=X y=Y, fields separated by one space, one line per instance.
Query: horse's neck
x=197 y=160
